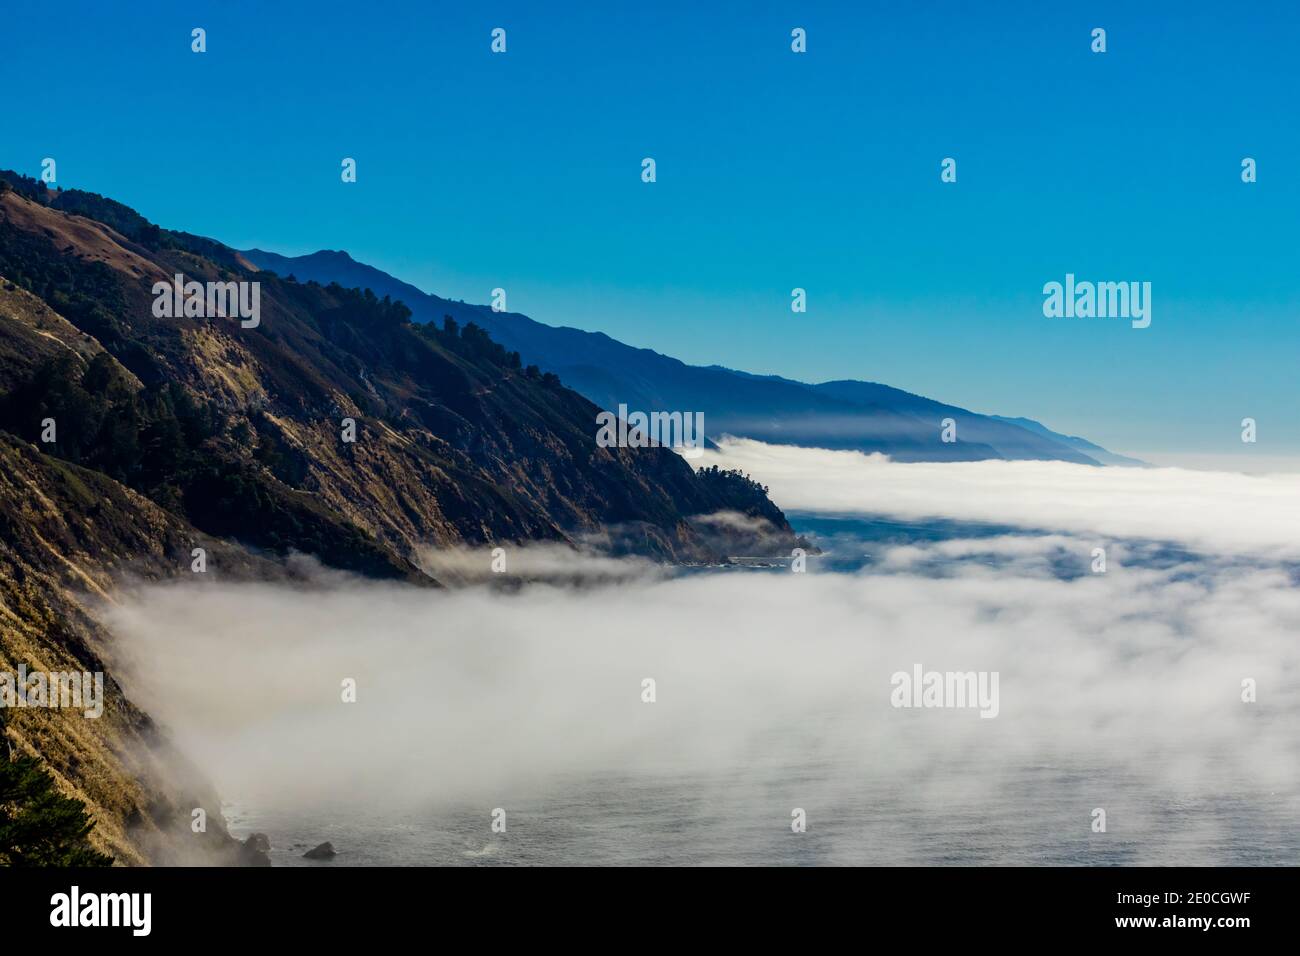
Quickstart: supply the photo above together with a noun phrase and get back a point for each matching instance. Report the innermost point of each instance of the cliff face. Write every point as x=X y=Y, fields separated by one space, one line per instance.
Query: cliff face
x=454 y=444
x=67 y=536
x=175 y=432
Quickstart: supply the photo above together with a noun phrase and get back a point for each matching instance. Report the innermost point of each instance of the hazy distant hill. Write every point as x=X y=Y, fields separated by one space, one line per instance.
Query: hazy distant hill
x=847 y=414
x=1082 y=444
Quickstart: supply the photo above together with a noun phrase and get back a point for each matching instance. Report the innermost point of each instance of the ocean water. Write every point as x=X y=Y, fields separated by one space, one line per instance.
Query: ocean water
x=1027 y=803
x=742 y=818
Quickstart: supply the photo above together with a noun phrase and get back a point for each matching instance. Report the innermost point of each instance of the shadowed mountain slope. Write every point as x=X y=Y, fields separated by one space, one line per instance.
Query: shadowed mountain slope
x=334 y=427
x=845 y=415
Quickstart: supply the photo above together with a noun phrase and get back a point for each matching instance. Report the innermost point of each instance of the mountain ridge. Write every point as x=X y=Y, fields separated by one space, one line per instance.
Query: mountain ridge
x=850 y=414
x=334 y=427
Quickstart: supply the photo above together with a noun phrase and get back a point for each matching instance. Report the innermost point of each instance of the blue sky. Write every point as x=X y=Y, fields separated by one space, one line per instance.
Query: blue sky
x=775 y=170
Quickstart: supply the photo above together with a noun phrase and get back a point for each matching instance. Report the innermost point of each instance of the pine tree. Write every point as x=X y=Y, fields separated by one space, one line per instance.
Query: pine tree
x=38 y=825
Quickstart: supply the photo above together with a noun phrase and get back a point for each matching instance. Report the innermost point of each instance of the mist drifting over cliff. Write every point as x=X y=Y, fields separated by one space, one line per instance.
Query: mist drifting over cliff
x=470 y=696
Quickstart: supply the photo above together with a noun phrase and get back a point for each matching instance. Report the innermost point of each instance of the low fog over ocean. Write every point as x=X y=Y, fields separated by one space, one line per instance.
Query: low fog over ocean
x=1119 y=690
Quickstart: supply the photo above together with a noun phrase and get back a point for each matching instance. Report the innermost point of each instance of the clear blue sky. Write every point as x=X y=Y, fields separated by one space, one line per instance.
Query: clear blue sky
x=775 y=170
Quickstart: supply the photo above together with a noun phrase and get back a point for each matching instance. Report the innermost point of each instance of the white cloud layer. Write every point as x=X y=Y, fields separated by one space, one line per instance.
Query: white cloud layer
x=1119 y=690
x=1217 y=512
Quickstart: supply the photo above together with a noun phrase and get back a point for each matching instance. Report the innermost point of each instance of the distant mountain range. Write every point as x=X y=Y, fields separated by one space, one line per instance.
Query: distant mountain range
x=863 y=416
x=1082 y=444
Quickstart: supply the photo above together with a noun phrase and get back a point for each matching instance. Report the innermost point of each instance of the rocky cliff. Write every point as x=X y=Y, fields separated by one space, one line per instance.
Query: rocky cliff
x=131 y=434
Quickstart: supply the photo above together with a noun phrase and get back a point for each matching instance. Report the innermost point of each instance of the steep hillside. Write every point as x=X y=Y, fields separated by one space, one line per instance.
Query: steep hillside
x=332 y=426
x=455 y=442
x=853 y=415
x=68 y=536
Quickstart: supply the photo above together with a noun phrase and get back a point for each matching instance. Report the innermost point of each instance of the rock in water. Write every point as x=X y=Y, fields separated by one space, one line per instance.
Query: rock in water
x=323 y=852
x=255 y=851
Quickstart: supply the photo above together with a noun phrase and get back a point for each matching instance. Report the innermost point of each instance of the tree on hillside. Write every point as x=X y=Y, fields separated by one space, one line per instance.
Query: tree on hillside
x=38 y=825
